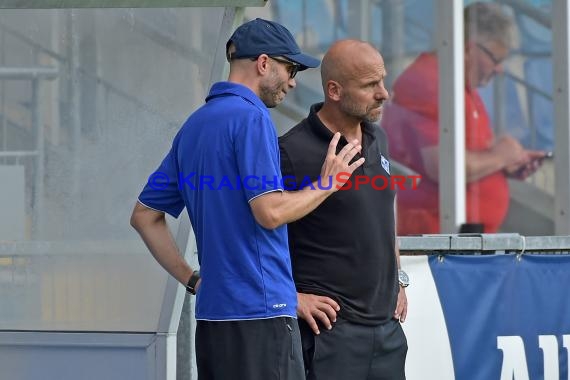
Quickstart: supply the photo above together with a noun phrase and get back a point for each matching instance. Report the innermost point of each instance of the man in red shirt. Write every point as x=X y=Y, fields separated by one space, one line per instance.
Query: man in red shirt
x=411 y=122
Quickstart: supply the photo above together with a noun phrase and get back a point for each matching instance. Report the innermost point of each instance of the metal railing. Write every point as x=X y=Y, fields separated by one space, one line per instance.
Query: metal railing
x=484 y=244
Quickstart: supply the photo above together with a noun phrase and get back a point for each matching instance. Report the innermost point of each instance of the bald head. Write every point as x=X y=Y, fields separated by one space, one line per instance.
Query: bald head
x=352 y=74
x=346 y=59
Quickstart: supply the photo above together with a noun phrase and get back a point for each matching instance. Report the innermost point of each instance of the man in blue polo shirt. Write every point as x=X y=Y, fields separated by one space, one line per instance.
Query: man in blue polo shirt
x=224 y=167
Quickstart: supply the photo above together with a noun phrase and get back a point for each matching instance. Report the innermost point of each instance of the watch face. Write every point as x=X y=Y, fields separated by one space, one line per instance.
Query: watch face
x=403 y=278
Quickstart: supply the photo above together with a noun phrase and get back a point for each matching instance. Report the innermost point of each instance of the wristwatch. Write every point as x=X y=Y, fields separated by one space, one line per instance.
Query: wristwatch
x=403 y=279
x=191 y=286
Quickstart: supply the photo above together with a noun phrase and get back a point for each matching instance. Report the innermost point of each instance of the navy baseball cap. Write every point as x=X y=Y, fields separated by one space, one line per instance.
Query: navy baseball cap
x=261 y=36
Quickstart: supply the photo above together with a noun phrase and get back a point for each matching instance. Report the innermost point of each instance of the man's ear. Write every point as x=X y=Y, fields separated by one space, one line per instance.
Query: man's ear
x=263 y=64
x=334 y=90
x=230 y=49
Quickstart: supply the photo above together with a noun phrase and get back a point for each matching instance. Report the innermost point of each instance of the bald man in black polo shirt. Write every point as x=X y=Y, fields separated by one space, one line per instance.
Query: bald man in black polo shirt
x=344 y=255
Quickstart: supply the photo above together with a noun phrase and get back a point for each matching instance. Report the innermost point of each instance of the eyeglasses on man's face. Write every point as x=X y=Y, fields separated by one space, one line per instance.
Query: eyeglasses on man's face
x=292 y=67
x=496 y=61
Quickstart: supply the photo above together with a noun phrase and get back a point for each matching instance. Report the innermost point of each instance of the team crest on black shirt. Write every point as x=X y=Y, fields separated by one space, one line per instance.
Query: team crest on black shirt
x=385 y=163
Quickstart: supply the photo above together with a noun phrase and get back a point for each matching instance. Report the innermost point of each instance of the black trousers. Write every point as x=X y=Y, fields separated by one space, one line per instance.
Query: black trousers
x=259 y=349
x=355 y=352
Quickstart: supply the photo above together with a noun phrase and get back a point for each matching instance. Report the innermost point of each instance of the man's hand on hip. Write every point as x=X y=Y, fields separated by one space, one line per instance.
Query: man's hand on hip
x=312 y=308
x=402 y=306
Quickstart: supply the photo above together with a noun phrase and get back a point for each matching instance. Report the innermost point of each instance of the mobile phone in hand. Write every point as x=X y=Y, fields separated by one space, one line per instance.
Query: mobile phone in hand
x=549 y=155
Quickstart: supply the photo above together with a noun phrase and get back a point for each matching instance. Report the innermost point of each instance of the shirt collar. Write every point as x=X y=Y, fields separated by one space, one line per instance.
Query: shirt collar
x=231 y=88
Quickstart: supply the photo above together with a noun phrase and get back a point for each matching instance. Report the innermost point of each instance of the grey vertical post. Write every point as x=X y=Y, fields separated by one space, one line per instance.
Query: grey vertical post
x=3 y=92
x=37 y=220
x=233 y=17
x=88 y=62
x=499 y=106
x=560 y=52
x=364 y=20
x=74 y=109
x=304 y=26
x=186 y=367
x=185 y=359
x=450 y=49
x=393 y=39
x=358 y=19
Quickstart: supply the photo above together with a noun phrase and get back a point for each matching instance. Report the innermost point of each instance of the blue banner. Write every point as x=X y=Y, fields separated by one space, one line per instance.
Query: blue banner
x=507 y=317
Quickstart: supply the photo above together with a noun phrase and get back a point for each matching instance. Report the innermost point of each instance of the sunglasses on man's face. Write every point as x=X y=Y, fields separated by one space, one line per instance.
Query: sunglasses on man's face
x=292 y=67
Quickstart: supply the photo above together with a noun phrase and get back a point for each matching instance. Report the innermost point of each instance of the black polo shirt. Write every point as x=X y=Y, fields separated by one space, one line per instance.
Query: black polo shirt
x=345 y=248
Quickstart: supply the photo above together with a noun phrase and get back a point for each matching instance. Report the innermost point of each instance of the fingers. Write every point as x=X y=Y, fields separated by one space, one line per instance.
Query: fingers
x=398 y=312
x=324 y=318
x=327 y=308
x=312 y=324
x=347 y=153
x=356 y=164
x=401 y=311
x=323 y=309
x=332 y=145
x=330 y=302
x=350 y=150
x=404 y=314
x=317 y=309
x=534 y=154
x=339 y=163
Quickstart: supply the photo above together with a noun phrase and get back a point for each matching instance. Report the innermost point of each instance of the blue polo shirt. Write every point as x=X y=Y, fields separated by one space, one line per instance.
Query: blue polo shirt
x=225 y=155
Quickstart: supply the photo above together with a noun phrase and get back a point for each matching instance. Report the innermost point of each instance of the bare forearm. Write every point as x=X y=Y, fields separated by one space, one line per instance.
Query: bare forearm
x=278 y=208
x=505 y=152
x=396 y=241
x=397 y=253
x=154 y=231
x=297 y=204
x=481 y=164
x=163 y=248
x=477 y=164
